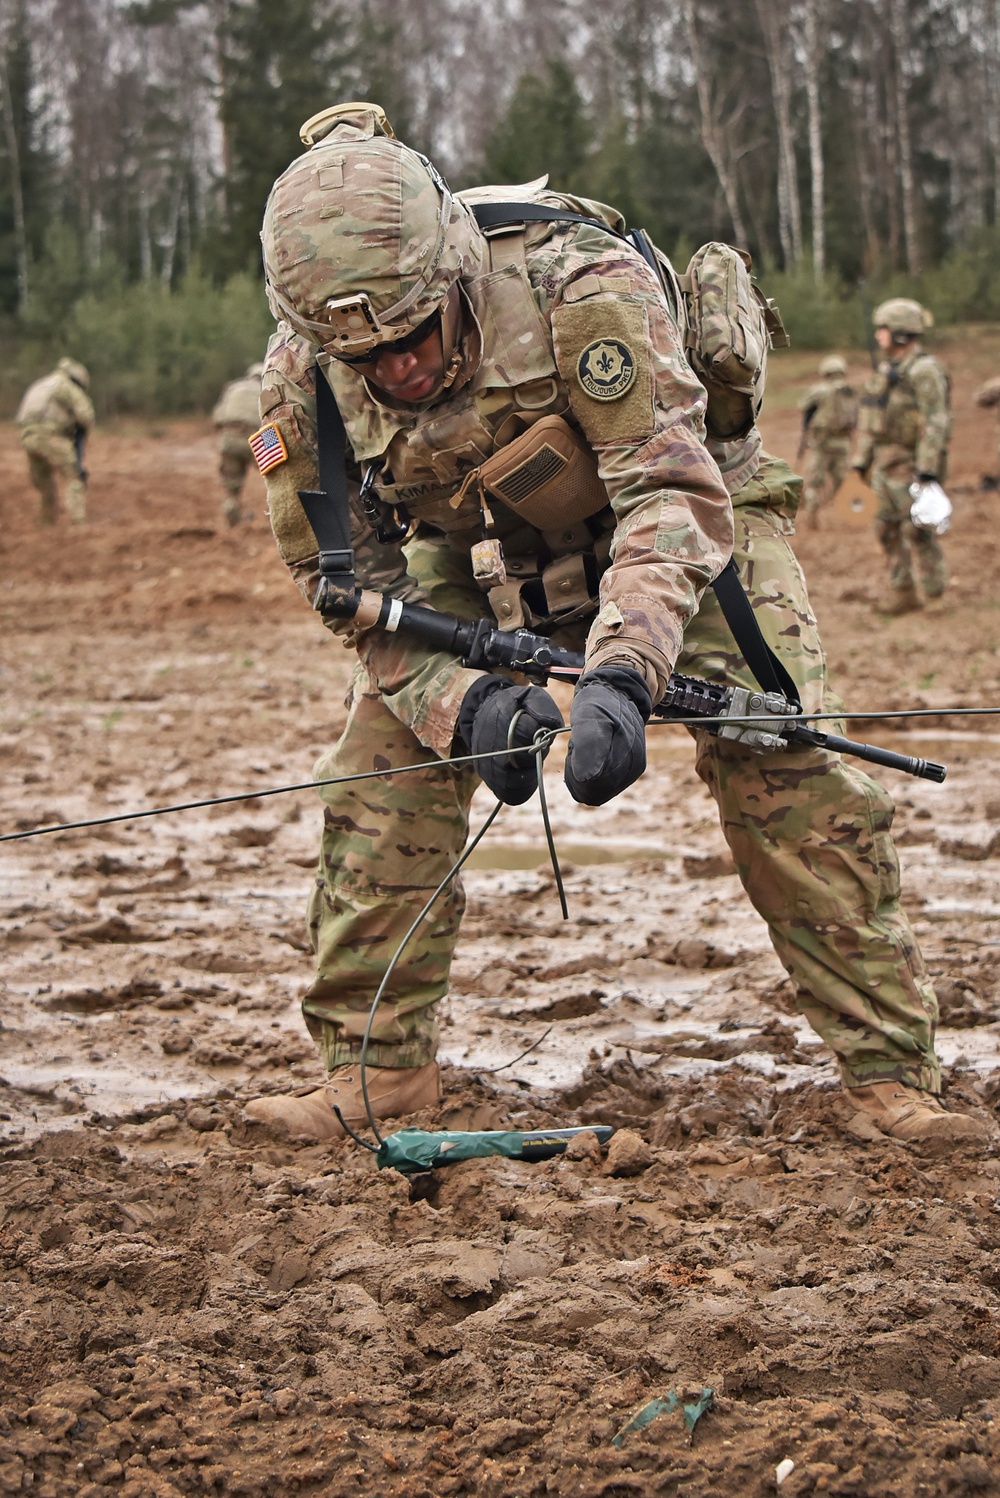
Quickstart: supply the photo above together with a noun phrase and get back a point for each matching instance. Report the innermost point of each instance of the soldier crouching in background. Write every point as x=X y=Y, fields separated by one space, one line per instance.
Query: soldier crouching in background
x=236 y=416
x=987 y=396
x=55 y=416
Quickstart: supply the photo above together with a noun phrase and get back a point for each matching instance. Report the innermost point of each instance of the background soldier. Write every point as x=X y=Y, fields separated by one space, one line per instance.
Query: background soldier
x=829 y=412
x=442 y=346
x=904 y=426
x=236 y=416
x=55 y=416
x=988 y=395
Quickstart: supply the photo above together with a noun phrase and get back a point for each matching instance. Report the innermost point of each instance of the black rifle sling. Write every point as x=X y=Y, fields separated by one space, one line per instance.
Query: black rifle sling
x=767 y=669
x=738 y=610
x=327 y=508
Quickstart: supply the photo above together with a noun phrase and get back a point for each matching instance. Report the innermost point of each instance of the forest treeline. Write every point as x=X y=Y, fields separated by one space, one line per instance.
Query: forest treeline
x=852 y=145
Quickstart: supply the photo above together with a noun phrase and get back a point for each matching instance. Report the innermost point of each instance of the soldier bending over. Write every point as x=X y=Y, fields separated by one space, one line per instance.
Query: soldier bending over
x=55 y=417
x=443 y=346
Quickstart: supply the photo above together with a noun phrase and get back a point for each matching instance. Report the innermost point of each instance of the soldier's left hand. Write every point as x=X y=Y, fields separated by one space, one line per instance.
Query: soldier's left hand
x=607 y=747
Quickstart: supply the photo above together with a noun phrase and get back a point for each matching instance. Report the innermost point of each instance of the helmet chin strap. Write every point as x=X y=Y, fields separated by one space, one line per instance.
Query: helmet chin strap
x=451 y=337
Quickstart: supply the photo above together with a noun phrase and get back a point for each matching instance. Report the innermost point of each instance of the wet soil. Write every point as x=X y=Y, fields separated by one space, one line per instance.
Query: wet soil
x=189 y=1308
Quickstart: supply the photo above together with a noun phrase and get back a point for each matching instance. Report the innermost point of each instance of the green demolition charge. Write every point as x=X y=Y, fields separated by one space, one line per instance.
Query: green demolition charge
x=417 y=1149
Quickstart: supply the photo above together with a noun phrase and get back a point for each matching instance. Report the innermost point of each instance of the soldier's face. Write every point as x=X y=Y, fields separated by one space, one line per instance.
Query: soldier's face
x=413 y=375
x=883 y=337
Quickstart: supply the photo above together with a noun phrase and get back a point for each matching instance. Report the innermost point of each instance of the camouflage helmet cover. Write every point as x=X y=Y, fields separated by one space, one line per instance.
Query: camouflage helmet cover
x=832 y=366
x=77 y=372
x=900 y=315
x=362 y=237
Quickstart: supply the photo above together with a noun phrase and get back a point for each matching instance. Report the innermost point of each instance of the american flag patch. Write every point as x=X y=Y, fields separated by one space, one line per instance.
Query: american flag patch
x=268 y=447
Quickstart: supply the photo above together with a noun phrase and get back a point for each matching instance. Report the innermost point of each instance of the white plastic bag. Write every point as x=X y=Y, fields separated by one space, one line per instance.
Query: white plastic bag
x=931 y=507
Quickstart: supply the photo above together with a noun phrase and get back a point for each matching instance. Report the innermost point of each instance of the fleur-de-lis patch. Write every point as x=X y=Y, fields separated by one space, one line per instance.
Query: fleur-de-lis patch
x=606 y=369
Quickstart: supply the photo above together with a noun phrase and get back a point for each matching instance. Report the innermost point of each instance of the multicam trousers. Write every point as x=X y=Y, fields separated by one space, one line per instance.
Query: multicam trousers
x=234 y=460
x=900 y=539
x=50 y=455
x=810 y=836
x=826 y=465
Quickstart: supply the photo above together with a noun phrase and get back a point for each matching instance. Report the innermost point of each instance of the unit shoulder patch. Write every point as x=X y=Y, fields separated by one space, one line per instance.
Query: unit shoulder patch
x=602 y=349
x=606 y=369
x=268 y=447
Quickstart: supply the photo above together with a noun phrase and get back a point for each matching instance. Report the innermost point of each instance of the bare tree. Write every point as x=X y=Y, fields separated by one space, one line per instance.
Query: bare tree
x=716 y=122
x=812 y=53
x=775 y=23
x=14 y=157
x=899 y=28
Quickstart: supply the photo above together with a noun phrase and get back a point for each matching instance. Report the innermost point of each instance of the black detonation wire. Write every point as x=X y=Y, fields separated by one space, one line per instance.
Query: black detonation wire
x=456 y=866
x=542 y=739
x=467 y=759
x=275 y=790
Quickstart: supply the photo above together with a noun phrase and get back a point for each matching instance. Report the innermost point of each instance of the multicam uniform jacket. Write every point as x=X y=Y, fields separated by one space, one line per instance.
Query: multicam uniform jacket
x=554 y=301
x=56 y=402
x=905 y=411
x=834 y=408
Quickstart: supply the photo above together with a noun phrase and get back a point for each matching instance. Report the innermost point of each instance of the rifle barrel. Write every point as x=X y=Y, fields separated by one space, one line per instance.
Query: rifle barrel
x=924 y=769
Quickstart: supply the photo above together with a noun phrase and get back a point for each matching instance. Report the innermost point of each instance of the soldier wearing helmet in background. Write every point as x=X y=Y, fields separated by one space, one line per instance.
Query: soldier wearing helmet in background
x=904 y=426
x=988 y=395
x=444 y=347
x=829 y=412
x=236 y=416
x=55 y=416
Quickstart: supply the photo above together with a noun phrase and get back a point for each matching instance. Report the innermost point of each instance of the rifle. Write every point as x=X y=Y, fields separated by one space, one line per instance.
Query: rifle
x=80 y=444
x=764 y=721
x=807 y=417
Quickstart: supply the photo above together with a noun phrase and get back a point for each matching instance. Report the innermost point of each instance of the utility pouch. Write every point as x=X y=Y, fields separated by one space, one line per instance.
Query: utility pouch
x=731 y=326
x=548 y=476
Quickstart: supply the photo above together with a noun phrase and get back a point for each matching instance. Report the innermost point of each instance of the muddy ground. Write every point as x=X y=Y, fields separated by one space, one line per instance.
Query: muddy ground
x=188 y=1309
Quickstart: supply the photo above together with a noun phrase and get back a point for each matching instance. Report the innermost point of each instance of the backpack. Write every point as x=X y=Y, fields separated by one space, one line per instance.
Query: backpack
x=728 y=323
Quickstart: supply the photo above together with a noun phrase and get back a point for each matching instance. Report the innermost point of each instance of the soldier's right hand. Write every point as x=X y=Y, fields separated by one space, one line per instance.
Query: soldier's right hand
x=607 y=749
x=489 y=709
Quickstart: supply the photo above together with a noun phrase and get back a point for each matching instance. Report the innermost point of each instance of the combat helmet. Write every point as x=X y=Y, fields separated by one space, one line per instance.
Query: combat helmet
x=903 y=316
x=78 y=373
x=832 y=367
x=362 y=237
x=254 y=371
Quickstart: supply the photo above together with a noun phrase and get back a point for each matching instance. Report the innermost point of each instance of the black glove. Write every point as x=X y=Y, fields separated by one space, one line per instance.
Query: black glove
x=607 y=748
x=488 y=709
x=926 y=478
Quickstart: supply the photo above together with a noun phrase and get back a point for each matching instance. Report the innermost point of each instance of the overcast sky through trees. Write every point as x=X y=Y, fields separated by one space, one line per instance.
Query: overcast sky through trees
x=852 y=136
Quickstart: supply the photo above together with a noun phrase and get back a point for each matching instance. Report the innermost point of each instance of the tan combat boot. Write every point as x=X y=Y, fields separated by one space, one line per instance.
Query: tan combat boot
x=918 y=1117
x=392 y=1090
x=903 y=601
